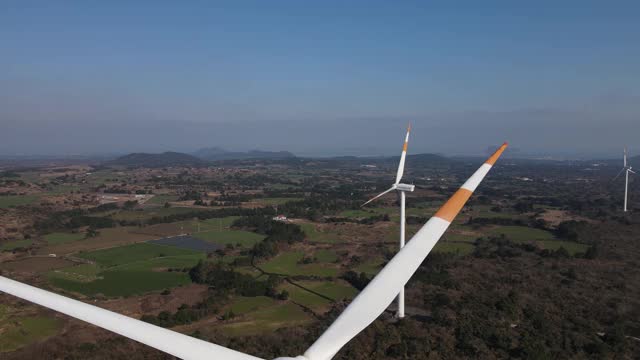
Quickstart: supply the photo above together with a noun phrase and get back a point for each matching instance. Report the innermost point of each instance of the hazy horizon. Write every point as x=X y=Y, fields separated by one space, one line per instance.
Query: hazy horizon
x=319 y=79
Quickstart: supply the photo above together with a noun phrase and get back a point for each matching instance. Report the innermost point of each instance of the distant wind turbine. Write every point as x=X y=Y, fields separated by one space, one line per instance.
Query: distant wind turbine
x=627 y=169
x=401 y=189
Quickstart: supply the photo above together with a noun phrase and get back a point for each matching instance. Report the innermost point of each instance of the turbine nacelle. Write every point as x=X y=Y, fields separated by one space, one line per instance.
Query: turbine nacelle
x=404 y=187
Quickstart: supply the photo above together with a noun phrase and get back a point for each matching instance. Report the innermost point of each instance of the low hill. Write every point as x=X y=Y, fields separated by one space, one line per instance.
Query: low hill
x=215 y=153
x=429 y=159
x=156 y=160
x=388 y=162
x=418 y=160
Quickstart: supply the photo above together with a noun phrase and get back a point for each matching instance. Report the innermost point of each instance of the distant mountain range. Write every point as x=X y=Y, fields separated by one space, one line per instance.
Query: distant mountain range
x=387 y=162
x=429 y=159
x=198 y=158
x=156 y=160
x=206 y=156
x=216 y=153
x=633 y=161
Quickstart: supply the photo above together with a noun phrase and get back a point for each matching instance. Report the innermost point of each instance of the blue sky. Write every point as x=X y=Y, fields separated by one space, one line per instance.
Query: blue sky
x=318 y=77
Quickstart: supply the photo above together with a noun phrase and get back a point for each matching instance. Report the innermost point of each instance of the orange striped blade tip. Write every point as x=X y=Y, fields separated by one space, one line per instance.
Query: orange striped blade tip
x=452 y=207
x=493 y=158
x=406 y=143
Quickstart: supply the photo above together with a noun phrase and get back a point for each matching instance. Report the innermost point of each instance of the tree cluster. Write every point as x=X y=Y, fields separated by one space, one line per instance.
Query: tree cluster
x=223 y=278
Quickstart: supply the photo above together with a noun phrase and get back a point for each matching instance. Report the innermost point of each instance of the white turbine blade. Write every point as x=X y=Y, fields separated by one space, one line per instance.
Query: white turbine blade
x=625 y=156
x=171 y=342
x=631 y=171
x=403 y=156
x=377 y=196
x=381 y=291
x=623 y=169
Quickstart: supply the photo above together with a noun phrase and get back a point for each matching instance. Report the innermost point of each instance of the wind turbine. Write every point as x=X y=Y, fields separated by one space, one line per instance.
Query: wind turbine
x=401 y=189
x=627 y=169
x=363 y=310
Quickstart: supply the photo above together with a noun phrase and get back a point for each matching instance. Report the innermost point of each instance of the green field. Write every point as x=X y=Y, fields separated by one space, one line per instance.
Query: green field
x=521 y=233
x=168 y=229
x=30 y=176
x=102 y=176
x=16 y=244
x=542 y=238
x=224 y=237
x=243 y=305
x=484 y=211
x=283 y=186
x=123 y=282
x=127 y=270
x=457 y=237
x=250 y=270
x=16 y=331
x=365 y=213
x=334 y=290
x=131 y=253
x=61 y=238
x=393 y=232
x=267 y=319
x=109 y=237
x=370 y=267
x=218 y=223
x=127 y=279
x=318 y=236
x=454 y=248
x=393 y=212
x=63 y=189
x=142 y=215
x=188 y=226
x=174 y=262
x=277 y=201
x=287 y=263
x=79 y=273
x=326 y=256
x=432 y=206
x=17 y=200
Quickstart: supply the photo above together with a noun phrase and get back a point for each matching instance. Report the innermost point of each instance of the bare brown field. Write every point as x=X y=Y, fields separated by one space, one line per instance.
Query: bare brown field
x=118 y=198
x=166 y=229
x=155 y=303
x=350 y=232
x=70 y=170
x=555 y=217
x=108 y=238
x=35 y=264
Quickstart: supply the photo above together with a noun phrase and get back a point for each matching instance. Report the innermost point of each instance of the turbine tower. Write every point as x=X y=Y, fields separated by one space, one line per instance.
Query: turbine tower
x=401 y=189
x=627 y=169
